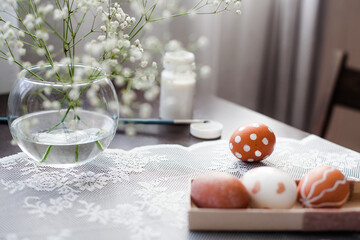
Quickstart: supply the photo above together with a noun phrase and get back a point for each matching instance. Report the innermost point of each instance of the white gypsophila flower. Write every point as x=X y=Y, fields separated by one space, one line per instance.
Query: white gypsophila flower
x=119 y=81
x=26 y=65
x=113 y=106
x=173 y=45
x=126 y=44
x=144 y=63
x=10 y=36
x=94 y=101
x=50 y=48
x=145 y=110
x=40 y=52
x=130 y=130
x=125 y=111
x=64 y=61
x=94 y=49
x=238 y=11
x=101 y=37
x=96 y=87
x=205 y=72
x=50 y=73
x=110 y=44
x=74 y=94
x=91 y=93
x=202 y=42
x=152 y=93
x=86 y=5
x=154 y=65
x=19 y=44
x=13 y=142
x=238 y=4
x=47 y=104
x=41 y=34
x=215 y=3
x=137 y=43
x=61 y=14
x=128 y=97
x=21 y=34
x=45 y=9
x=136 y=53
x=42 y=64
x=29 y=21
x=22 y=51
x=56 y=105
x=47 y=91
x=79 y=74
x=166 y=14
x=38 y=21
x=126 y=72
x=10 y=60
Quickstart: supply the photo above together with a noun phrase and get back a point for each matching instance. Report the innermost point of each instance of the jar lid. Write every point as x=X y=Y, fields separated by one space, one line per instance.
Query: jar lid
x=207 y=130
x=177 y=58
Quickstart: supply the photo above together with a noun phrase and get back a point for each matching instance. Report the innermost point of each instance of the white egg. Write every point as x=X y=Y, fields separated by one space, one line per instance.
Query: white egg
x=270 y=188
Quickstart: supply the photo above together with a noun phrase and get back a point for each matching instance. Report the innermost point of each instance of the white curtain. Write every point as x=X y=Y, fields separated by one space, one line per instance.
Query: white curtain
x=266 y=59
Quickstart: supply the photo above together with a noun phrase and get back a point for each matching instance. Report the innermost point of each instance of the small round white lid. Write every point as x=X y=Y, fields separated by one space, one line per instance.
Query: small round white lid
x=207 y=130
x=177 y=58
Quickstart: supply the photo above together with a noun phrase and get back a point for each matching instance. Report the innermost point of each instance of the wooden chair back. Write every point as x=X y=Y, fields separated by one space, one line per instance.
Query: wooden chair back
x=346 y=91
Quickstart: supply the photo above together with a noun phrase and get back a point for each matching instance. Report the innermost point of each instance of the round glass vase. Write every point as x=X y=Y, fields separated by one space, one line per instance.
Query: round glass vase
x=63 y=116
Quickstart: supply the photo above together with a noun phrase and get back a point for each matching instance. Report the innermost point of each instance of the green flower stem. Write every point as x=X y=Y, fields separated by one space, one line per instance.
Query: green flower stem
x=138 y=31
x=99 y=146
x=151 y=9
x=76 y=153
x=46 y=153
x=197 y=4
x=79 y=24
x=62 y=120
x=138 y=22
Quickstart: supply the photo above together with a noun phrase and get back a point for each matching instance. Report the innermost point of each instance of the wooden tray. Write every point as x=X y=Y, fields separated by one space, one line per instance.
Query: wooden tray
x=297 y=218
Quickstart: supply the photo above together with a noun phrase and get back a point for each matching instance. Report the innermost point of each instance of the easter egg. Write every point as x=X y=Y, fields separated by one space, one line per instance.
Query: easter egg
x=253 y=142
x=270 y=188
x=219 y=190
x=323 y=187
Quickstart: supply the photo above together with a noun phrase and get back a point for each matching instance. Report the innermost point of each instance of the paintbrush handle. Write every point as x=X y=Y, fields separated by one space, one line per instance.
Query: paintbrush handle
x=160 y=121
x=4 y=120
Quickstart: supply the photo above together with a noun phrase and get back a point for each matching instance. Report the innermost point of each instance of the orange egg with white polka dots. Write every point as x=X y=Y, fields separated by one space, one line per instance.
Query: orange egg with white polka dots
x=253 y=142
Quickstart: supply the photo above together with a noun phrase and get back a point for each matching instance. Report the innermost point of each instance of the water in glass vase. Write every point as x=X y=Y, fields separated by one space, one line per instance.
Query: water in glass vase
x=76 y=140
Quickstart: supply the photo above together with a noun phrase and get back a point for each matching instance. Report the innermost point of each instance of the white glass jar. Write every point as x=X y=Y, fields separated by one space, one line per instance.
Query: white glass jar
x=178 y=81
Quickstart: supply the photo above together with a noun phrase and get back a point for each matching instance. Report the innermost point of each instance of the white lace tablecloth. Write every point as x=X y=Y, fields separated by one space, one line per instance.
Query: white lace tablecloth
x=137 y=194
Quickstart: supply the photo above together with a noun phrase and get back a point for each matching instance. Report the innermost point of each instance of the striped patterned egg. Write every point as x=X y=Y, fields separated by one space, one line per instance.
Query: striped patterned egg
x=253 y=142
x=323 y=187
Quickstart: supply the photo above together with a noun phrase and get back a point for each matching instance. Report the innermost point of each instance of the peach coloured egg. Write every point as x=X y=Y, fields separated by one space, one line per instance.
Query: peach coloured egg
x=323 y=187
x=219 y=190
x=253 y=142
x=270 y=188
